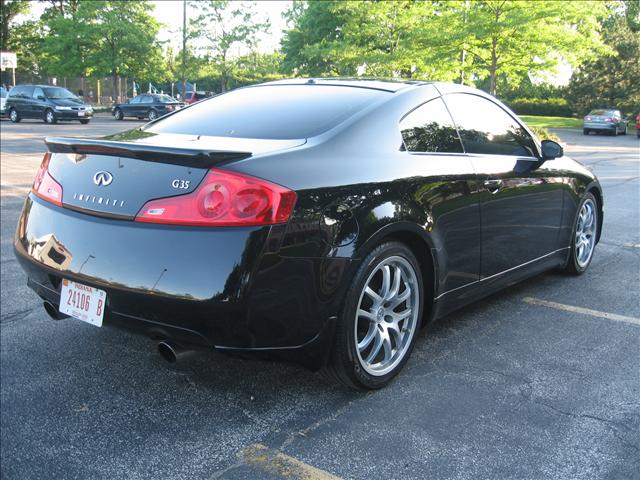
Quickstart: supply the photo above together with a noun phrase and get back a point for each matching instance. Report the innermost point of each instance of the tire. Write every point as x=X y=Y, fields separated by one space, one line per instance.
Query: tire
x=117 y=114
x=352 y=360
x=152 y=115
x=585 y=131
x=624 y=132
x=50 y=117
x=578 y=261
x=84 y=122
x=14 y=116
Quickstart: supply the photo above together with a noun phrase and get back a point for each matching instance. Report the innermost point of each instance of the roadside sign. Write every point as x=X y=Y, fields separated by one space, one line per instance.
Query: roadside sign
x=8 y=60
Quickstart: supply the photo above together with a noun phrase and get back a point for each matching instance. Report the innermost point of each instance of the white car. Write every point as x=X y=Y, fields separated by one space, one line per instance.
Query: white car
x=3 y=100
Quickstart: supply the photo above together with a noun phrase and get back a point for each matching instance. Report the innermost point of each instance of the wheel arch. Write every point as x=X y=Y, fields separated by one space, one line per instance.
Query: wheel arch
x=595 y=190
x=421 y=245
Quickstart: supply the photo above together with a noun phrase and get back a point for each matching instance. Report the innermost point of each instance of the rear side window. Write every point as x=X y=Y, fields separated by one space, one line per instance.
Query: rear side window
x=488 y=129
x=270 y=112
x=429 y=128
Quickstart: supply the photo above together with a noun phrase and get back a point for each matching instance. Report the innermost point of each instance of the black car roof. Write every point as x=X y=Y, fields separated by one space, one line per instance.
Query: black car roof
x=392 y=85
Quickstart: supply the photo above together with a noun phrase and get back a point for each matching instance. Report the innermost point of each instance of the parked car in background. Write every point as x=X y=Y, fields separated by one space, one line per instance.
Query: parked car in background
x=3 y=100
x=604 y=120
x=46 y=102
x=319 y=220
x=147 y=105
x=193 y=97
x=638 y=125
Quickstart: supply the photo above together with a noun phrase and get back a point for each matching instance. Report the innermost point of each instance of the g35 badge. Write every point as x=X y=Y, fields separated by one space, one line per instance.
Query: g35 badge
x=181 y=184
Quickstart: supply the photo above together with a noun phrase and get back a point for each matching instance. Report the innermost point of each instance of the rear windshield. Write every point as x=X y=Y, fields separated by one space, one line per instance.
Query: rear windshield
x=166 y=99
x=270 y=112
x=601 y=112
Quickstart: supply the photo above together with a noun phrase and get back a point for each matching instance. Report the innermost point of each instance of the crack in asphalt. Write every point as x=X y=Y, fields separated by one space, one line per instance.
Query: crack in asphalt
x=15 y=316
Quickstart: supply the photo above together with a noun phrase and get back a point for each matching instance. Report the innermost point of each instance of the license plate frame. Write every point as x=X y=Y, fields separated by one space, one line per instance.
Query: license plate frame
x=81 y=113
x=82 y=302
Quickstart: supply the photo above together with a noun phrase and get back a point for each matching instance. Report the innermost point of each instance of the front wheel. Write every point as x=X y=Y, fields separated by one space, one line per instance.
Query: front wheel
x=50 y=117
x=379 y=321
x=84 y=122
x=585 y=233
x=14 y=116
x=117 y=114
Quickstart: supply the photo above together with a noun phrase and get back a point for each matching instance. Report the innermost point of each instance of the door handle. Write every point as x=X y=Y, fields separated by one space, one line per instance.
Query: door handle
x=493 y=185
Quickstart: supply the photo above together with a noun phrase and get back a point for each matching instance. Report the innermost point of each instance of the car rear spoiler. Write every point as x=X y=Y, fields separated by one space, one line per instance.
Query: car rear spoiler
x=190 y=157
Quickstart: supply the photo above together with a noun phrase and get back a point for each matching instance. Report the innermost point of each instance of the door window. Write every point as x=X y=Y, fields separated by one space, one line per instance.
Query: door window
x=429 y=128
x=37 y=92
x=146 y=99
x=135 y=100
x=486 y=128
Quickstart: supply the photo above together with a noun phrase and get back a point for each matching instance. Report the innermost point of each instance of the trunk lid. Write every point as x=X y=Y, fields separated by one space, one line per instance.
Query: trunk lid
x=115 y=176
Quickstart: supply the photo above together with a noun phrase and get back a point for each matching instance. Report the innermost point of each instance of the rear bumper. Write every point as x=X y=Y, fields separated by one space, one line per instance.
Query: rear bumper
x=226 y=288
x=599 y=126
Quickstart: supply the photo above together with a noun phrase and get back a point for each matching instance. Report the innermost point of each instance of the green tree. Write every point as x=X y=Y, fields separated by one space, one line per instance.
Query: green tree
x=514 y=38
x=125 y=44
x=9 y=10
x=611 y=81
x=226 y=25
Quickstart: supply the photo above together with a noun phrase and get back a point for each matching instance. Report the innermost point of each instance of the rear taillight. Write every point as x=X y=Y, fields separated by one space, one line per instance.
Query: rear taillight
x=588 y=119
x=223 y=199
x=610 y=120
x=44 y=186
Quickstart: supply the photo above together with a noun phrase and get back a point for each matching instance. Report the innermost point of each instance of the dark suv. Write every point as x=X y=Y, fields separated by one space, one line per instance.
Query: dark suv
x=46 y=102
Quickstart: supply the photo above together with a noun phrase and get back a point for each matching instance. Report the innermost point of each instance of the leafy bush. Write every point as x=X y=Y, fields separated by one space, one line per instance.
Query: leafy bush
x=544 y=134
x=551 y=107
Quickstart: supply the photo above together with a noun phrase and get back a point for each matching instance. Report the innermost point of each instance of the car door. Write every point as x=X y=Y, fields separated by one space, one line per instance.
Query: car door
x=521 y=203
x=130 y=109
x=38 y=103
x=144 y=106
x=429 y=133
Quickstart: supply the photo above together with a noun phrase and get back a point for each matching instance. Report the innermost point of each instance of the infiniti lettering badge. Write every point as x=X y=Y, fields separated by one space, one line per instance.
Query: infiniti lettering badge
x=102 y=178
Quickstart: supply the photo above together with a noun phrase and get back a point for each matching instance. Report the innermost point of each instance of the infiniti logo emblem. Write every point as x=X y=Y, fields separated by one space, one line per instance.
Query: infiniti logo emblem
x=102 y=178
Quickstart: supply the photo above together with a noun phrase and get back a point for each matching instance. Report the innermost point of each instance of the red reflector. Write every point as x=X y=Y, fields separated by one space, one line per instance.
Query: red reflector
x=223 y=199
x=45 y=186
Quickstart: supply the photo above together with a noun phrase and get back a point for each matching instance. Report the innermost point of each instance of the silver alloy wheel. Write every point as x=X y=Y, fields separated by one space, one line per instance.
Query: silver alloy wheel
x=14 y=115
x=153 y=115
x=387 y=315
x=586 y=232
x=49 y=116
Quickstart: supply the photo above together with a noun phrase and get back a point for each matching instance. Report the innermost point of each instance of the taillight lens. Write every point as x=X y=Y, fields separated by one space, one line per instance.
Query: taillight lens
x=44 y=185
x=610 y=120
x=223 y=199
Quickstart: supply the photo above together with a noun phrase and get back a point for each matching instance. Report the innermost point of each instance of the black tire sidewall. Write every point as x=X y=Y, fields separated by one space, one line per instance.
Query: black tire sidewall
x=572 y=263
x=345 y=343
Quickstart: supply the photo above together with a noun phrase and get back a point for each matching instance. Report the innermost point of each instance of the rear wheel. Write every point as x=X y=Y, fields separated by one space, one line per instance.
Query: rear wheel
x=585 y=232
x=14 y=116
x=84 y=122
x=585 y=131
x=49 y=116
x=379 y=321
x=117 y=114
x=153 y=115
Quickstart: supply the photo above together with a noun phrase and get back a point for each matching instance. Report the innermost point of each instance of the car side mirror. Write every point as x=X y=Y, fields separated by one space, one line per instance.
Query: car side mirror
x=40 y=97
x=551 y=150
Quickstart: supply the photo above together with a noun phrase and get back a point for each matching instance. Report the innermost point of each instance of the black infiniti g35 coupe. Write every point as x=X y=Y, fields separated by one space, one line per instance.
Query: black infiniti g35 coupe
x=322 y=221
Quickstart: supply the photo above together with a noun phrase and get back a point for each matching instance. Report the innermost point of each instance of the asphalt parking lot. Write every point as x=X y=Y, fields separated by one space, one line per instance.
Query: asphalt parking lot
x=539 y=381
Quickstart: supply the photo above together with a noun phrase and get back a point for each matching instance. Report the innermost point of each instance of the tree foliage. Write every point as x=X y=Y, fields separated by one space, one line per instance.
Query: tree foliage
x=611 y=81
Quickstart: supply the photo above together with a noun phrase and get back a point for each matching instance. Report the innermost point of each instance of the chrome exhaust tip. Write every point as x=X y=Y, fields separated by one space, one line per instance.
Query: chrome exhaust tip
x=173 y=353
x=53 y=312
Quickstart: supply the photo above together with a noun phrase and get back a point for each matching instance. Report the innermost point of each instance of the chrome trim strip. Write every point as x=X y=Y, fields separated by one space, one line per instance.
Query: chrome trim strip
x=501 y=273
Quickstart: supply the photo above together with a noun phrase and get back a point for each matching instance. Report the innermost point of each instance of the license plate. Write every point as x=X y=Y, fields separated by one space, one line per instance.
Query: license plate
x=81 y=114
x=82 y=302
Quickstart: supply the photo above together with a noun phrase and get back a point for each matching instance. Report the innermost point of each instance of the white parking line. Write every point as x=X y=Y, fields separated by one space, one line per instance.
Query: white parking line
x=585 y=311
